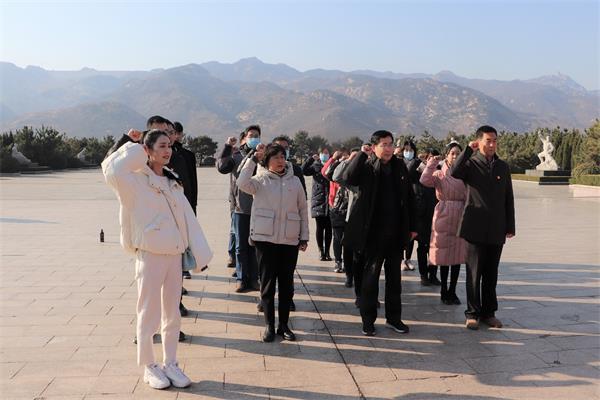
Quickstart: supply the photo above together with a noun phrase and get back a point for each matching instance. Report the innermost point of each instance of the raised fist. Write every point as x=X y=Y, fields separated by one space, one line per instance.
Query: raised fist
x=135 y=135
x=474 y=144
x=231 y=141
x=260 y=151
x=366 y=148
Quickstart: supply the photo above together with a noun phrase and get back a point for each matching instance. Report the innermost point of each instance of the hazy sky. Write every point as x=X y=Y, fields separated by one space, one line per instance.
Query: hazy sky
x=476 y=39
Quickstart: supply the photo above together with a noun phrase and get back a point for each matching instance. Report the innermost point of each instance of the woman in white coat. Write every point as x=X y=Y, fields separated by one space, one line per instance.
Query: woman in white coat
x=278 y=228
x=157 y=225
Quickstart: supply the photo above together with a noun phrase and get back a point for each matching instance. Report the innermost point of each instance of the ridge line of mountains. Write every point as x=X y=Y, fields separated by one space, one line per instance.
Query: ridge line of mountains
x=218 y=100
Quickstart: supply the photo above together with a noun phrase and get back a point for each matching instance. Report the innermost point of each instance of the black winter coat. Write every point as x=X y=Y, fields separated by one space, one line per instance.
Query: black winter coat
x=489 y=212
x=364 y=172
x=183 y=162
x=320 y=188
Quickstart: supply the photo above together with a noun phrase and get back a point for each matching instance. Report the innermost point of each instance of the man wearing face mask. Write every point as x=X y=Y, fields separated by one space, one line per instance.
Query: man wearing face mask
x=409 y=155
x=246 y=267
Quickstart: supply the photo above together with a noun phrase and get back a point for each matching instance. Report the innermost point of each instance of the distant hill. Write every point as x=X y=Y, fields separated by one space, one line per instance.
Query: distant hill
x=220 y=99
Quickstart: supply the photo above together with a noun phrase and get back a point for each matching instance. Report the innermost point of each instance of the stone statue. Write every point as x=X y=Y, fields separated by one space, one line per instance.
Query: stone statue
x=17 y=155
x=547 y=162
x=81 y=155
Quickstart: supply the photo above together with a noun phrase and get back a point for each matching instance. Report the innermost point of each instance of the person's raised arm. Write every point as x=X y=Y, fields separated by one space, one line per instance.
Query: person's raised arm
x=225 y=161
x=429 y=178
x=460 y=167
x=353 y=171
x=245 y=181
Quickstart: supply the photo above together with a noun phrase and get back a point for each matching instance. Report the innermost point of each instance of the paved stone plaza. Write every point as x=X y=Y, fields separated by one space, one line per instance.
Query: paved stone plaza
x=68 y=311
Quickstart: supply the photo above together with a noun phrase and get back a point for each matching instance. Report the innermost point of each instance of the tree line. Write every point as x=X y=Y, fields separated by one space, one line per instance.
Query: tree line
x=575 y=150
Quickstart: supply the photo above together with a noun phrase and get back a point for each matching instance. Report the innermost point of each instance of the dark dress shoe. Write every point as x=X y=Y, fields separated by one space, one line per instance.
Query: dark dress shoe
x=268 y=334
x=259 y=307
x=234 y=275
x=182 y=337
x=187 y=275
x=357 y=302
x=184 y=291
x=453 y=298
x=255 y=286
x=328 y=257
x=348 y=282
x=240 y=287
x=435 y=281
x=286 y=333
x=182 y=310
x=230 y=263
x=368 y=330
x=323 y=258
x=425 y=281
x=292 y=306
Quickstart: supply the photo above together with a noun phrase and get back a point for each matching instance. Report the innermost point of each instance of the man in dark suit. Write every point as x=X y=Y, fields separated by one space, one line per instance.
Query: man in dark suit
x=488 y=219
x=381 y=222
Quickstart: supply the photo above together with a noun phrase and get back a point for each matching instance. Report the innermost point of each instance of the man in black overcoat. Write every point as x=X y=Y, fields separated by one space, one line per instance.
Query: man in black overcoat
x=381 y=222
x=487 y=220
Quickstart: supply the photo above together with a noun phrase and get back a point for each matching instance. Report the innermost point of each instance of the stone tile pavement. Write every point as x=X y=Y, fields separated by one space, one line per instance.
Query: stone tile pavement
x=67 y=306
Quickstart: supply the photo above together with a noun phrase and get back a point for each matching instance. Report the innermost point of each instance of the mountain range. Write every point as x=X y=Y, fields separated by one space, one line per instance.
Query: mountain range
x=218 y=100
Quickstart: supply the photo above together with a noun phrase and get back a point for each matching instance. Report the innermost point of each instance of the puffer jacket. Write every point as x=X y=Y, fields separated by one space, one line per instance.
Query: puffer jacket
x=279 y=210
x=150 y=218
x=446 y=247
x=320 y=188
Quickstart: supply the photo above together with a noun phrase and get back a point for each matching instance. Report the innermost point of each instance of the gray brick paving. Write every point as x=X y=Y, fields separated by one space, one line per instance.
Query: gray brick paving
x=67 y=311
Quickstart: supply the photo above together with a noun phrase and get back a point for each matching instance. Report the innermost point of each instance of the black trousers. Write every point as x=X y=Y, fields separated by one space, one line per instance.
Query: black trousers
x=323 y=233
x=425 y=270
x=358 y=268
x=382 y=251
x=482 y=277
x=276 y=264
x=338 y=236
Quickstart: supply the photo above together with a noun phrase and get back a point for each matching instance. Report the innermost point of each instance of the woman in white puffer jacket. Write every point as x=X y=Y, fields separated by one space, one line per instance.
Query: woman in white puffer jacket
x=157 y=224
x=278 y=228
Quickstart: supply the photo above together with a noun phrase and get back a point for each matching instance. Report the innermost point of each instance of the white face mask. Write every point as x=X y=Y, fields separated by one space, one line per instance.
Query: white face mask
x=408 y=154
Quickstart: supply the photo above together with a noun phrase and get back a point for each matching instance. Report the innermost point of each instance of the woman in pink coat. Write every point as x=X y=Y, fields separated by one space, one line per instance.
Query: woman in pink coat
x=446 y=249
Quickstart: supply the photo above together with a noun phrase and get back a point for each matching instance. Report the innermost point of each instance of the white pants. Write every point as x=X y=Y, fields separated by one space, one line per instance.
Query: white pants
x=158 y=281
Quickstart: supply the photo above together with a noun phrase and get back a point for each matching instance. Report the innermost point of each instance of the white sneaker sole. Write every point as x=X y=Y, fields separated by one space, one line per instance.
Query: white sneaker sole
x=394 y=328
x=164 y=386
x=179 y=386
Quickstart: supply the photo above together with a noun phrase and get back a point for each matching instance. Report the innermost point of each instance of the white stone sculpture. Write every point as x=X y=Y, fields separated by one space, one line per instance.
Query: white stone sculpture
x=547 y=162
x=17 y=155
x=81 y=155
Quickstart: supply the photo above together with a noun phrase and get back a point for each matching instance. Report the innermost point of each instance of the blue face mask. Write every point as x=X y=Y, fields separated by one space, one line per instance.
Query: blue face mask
x=324 y=157
x=253 y=142
x=409 y=154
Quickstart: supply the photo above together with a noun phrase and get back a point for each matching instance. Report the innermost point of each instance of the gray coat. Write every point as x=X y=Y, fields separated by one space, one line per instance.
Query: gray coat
x=229 y=163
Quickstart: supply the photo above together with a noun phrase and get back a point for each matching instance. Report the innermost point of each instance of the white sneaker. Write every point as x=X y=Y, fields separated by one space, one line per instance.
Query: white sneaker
x=409 y=265
x=155 y=377
x=176 y=375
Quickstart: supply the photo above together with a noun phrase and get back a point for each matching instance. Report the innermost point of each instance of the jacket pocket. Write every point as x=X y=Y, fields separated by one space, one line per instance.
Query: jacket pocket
x=264 y=221
x=292 y=226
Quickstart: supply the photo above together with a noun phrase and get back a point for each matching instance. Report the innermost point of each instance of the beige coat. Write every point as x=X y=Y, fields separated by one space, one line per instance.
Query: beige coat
x=279 y=210
x=147 y=222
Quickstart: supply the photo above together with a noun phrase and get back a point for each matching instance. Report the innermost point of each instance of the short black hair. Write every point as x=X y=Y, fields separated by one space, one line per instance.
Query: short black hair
x=412 y=145
x=282 y=138
x=178 y=127
x=485 y=129
x=272 y=150
x=248 y=129
x=378 y=135
x=157 y=119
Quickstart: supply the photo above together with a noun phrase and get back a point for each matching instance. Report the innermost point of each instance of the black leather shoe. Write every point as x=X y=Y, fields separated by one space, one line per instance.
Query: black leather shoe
x=182 y=310
x=292 y=306
x=425 y=282
x=368 y=330
x=328 y=257
x=323 y=258
x=435 y=281
x=348 y=282
x=187 y=275
x=184 y=291
x=182 y=337
x=234 y=275
x=259 y=307
x=453 y=298
x=357 y=302
x=285 y=332
x=268 y=334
